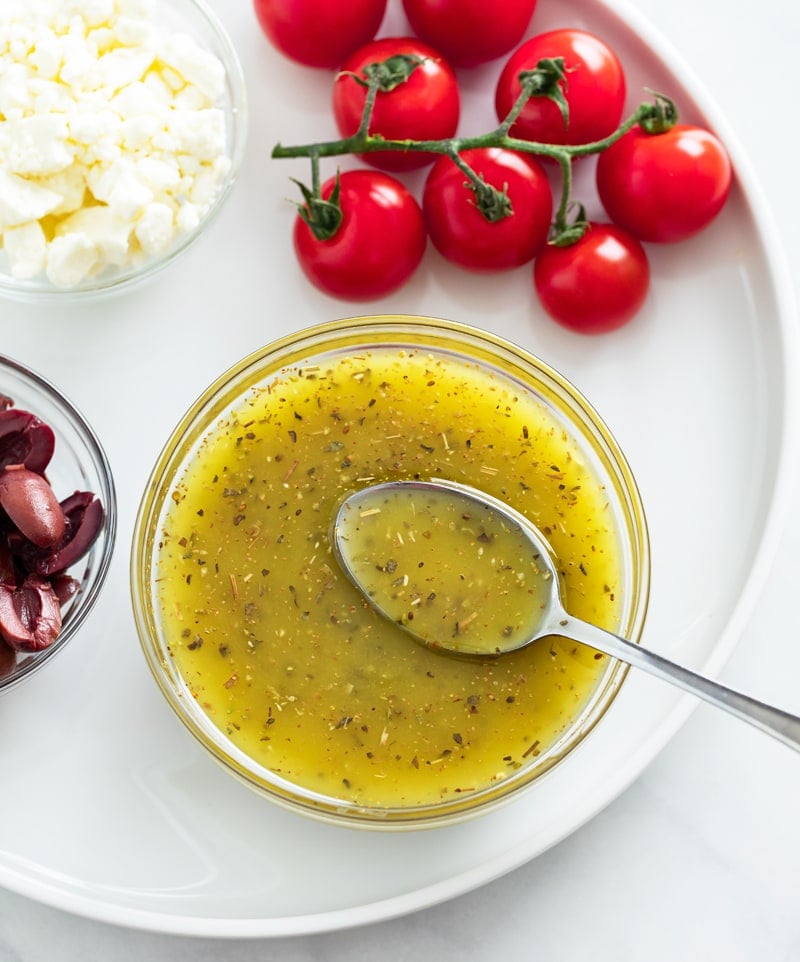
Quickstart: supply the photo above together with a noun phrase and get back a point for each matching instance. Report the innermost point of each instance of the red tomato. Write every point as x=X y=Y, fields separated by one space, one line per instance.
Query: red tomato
x=465 y=31
x=594 y=89
x=596 y=284
x=319 y=33
x=462 y=234
x=423 y=107
x=378 y=245
x=667 y=186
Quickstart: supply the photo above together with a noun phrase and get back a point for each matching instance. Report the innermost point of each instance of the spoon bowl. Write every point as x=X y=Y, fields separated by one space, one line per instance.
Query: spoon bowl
x=472 y=576
x=468 y=574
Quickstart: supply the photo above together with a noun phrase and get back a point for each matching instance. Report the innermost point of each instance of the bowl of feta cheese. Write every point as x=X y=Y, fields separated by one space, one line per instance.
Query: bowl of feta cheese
x=122 y=131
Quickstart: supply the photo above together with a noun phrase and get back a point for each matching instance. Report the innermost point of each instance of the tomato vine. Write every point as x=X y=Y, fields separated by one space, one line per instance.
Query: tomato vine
x=547 y=79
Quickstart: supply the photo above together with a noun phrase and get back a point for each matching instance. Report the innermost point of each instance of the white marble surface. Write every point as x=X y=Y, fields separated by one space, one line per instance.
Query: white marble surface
x=698 y=859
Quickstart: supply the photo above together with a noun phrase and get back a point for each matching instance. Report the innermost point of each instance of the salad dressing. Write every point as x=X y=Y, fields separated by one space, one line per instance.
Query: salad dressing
x=283 y=653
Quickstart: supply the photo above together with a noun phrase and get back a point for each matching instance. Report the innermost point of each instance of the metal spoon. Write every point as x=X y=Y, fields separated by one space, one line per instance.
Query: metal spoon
x=466 y=573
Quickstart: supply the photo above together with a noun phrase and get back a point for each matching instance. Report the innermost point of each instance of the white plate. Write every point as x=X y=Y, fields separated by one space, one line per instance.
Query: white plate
x=109 y=808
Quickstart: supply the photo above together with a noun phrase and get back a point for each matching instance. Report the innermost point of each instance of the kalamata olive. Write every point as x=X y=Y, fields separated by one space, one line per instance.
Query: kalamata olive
x=83 y=514
x=40 y=537
x=30 y=616
x=26 y=440
x=64 y=586
x=8 y=574
x=8 y=658
x=29 y=501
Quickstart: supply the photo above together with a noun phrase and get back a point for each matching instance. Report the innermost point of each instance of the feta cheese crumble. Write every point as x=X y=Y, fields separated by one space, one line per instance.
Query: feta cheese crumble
x=112 y=140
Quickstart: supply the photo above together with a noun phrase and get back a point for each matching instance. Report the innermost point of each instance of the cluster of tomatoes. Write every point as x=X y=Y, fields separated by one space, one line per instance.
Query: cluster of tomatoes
x=487 y=207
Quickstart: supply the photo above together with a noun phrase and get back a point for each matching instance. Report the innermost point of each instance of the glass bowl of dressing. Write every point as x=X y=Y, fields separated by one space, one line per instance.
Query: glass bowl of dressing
x=267 y=652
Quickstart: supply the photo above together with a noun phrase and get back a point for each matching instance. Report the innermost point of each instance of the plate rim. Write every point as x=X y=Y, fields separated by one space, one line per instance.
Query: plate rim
x=47 y=890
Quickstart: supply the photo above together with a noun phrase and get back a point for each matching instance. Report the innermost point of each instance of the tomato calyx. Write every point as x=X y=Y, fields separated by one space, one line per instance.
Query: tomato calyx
x=566 y=232
x=386 y=75
x=659 y=116
x=323 y=215
x=494 y=204
x=547 y=79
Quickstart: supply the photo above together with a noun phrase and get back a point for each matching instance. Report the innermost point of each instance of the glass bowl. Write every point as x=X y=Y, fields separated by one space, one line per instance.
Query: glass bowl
x=78 y=464
x=273 y=660
x=125 y=152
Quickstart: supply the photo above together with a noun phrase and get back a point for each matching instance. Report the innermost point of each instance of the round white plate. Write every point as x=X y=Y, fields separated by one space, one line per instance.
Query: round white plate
x=109 y=808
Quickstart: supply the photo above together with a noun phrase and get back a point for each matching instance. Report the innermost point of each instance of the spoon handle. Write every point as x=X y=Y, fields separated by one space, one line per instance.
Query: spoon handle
x=780 y=724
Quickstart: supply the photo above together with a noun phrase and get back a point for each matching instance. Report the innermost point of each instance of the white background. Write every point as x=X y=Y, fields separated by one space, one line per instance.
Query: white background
x=698 y=859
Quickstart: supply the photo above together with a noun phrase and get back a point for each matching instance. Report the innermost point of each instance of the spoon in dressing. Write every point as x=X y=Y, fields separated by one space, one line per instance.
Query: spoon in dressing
x=463 y=572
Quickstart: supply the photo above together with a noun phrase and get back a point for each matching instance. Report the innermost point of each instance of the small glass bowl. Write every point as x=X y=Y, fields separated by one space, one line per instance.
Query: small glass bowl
x=79 y=463
x=195 y=18
x=159 y=534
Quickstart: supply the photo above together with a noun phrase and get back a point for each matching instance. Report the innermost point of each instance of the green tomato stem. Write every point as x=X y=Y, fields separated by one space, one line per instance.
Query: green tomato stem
x=369 y=106
x=560 y=221
x=464 y=167
x=657 y=115
x=315 y=177
x=366 y=143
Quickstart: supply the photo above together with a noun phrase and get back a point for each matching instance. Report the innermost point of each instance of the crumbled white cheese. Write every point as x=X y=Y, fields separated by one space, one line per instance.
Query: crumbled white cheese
x=22 y=201
x=193 y=64
x=154 y=229
x=123 y=66
x=118 y=185
x=35 y=145
x=46 y=56
x=188 y=218
x=199 y=133
x=105 y=227
x=70 y=258
x=26 y=247
x=112 y=141
x=70 y=185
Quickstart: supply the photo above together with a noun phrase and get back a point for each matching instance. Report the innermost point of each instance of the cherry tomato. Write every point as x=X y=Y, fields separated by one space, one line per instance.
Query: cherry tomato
x=594 y=89
x=664 y=187
x=465 y=31
x=319 y=33
x=423 y=107
x=463 y=235
x=596 y=284
x=378 y=245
